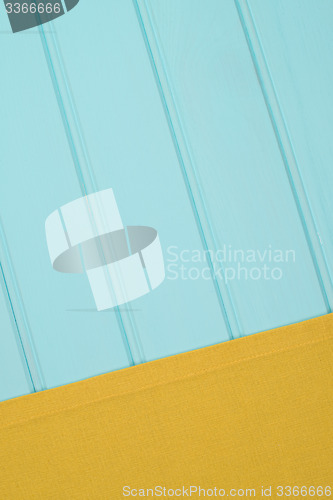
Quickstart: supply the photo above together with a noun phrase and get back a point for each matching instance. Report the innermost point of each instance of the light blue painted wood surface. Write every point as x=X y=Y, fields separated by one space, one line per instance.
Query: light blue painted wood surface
x=37 y=177
x=170 y=104
x=232 y=155
x=14 y=374
x=297 y=43
x=131 y=150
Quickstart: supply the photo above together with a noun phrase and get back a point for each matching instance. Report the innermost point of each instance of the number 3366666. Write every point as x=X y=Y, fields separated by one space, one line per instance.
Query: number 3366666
x=304 y=491
x=33 y=8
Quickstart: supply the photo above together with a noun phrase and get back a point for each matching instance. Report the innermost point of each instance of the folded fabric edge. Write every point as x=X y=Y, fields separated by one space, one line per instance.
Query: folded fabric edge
x=165 y=371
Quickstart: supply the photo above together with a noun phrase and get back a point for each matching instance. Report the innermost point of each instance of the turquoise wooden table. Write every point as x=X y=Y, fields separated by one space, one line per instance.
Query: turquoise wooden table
x=211 y=121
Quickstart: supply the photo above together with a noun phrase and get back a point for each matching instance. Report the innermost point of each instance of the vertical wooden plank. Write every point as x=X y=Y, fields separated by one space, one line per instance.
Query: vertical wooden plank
x=295 y=41
x=123 y=122
x=232 y=157
x=14 y=375
x=37 y=176
x=116 y=102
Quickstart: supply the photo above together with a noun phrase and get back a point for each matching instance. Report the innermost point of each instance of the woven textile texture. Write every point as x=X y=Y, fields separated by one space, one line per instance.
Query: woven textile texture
x=248 y=413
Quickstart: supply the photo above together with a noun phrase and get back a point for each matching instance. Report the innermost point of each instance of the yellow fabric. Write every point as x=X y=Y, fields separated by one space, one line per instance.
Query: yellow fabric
x=242 y=414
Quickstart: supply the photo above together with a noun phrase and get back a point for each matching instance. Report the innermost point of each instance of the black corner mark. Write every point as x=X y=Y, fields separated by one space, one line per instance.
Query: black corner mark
x=25 y=14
